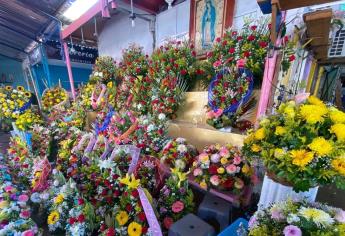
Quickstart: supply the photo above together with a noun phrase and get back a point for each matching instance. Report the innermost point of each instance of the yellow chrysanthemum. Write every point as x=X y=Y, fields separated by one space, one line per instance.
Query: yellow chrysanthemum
x=53 y=218
x=249 y=139
x=220 y=170
x=223 y=160
x=59 y=199
x=337 y=116
x=301 y=157
x=134 y=229
x=339 y=165
x=318 y=216
x=315 y=101
x=260 y=134
x=280 y=130
x=245 y=169
x=122 y=218
x=289 y=111
x=321 y=146
x=255 y=148
x=279 y=153
x=339 y=131
x=313 y=113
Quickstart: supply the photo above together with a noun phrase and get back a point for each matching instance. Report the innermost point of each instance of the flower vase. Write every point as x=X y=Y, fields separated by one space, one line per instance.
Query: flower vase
x=273 y=192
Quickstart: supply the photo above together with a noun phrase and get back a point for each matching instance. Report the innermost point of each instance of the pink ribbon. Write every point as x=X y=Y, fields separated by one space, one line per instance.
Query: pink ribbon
x=95 y=102
x=155 y=228
x=90 y=145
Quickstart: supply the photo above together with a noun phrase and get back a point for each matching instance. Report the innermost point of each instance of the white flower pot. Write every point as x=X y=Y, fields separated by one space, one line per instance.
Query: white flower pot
x=273 y=192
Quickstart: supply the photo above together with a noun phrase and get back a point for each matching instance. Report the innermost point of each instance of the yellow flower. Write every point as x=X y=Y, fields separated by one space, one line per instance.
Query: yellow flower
x=337 y=116
x=289 y=111
x=220 y=170
x=245 y=169
x=315 y=101
x=38 y=173
x=59 y=199
x=313 y=113
x=8 y=88
x=224 y=160
x=53 y=218
x=27 y=94
x=279 y=152
x=339 y=131
x=301 y=157
x=260 y=134
x=204 y=158
x=134 y=229
x=321 y=146
x=203 y=184
x=339 y=165
x=255 y=148
x=122 y=217
x=130 y=181
x=280 y=130
x=20 y=88
x=249 y=139
x=3 y=204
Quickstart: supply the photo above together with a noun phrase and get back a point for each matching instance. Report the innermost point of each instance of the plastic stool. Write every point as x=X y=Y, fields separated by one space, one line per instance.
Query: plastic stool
x=213 y=207
x=191 y=225
x=234 y=229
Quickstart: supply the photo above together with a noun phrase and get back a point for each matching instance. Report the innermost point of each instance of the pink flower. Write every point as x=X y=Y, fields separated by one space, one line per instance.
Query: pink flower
x=224 y=152
x=241 y=63
x=217 y=64
x=215 y=180
x=197 y=172
x=237 y=160
x=23 y=198
x=292 y=230
x=252 y=222
x=177 y=207
x=239 y=184
x=218 y=113
x=340 y=216
x=9 y=189
x=276 y=214
x=231 y=169
x=28 y=233
x=210 y=115
x=25 y=214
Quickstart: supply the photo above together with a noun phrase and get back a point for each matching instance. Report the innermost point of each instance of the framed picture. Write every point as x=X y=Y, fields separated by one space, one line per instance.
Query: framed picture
x=208 y=20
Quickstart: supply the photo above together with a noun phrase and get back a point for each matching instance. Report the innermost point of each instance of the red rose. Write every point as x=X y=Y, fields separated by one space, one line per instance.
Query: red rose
x=218 y=39
x=135 y=193
x=228 y=183
x=253 y=27
x=81 y=218
x=144 y=229
x=167 y=222
x=286 y=39
x=231 y=50
x=142 y=216
x=213 y=169
x=72 y=220
x=116 y=193
x=192 y=46
x=128 y=207
x=263 y=44
x=246 y=54
x=193 y=53
x=222 y=98
x=225 y=43
x=110 y=232
x=103 y=227
x=233 y=101
x=183 y=72
x=209 y=54
x=81 y=201
x=292 y=58
x=269 y=25
x=125 y=194
x=234 y=33
x=137 y=70
x=251 y=38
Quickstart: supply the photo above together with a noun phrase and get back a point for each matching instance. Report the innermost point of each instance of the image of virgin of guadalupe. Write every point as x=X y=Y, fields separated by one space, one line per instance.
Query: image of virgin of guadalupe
x=208 y=25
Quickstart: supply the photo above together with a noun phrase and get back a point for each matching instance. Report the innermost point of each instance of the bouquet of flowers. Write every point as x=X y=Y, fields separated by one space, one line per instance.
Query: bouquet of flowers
x=291 y=218
x=125 y=158
x=140 y=102
x=15 y=212
x=41 y=141
x=134 y=61
x=175 y=58
x=175 y=199
x=105 y=70
x=222 y=168
x=13 y=101
x=302 y=145
x=53 y=98
x=228 y=95
x=84 y=95
x=122 y=124
x=178 y=154
x=27 y=120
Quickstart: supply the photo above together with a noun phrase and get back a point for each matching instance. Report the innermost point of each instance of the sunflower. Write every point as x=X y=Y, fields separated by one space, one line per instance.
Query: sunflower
x=20 y=88
x=134 y=229
x=27 y=94
x=122 y=217
x=8 y=88
x=53 y=218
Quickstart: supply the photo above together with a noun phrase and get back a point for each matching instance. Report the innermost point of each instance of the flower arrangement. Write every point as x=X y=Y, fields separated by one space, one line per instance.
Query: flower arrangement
x=41 y=141
x=13 y=101
x=291 y=218
x=54 y=97
x=84 y=95
x=105 y=70
x=302 y=145
x=122 y=124
x=178 y=154
x=134 y=62
x=228 y=94
x=27 y=120
x=222 y=168
x=140 y=102
x=175 y=199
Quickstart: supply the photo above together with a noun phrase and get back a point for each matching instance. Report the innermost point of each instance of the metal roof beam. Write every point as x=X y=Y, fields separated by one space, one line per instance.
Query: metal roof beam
x=18 y=32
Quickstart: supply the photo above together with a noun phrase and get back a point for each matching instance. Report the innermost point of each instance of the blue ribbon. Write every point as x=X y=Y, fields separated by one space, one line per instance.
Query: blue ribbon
x=232 y=108
x=24 y=107
x=106 y=121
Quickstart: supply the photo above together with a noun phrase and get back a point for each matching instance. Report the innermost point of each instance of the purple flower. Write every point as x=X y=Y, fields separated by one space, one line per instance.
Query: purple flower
x=252 y=222
x=166 y=192
x=276 y=214
x=182 y=190
x=163 y=210
x=292 y=230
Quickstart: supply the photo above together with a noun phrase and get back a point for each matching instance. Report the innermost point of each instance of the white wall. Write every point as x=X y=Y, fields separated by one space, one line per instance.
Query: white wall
x=118 y=33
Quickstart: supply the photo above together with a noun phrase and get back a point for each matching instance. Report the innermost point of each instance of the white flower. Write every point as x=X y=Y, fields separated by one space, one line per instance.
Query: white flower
x=182 y=148
x=106 y=164
x=145 y=122
x=215 y=158
x=55 y=171
x=56 y=183
x=73 y=185
x=180 y=140
x=161 y=116
x=340 y=216
x=179 y=164
x=150 y=128
x=292 y=218
x=139 y=106
x=100 y=74
x=45 y=196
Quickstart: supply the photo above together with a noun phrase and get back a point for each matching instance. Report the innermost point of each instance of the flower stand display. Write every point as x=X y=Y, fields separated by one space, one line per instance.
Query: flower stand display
x=191 y=225
x=273 y=192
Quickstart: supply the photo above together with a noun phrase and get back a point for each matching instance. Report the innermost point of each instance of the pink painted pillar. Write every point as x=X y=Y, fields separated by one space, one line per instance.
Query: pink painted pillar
x=69 y=69
x=105 y=9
